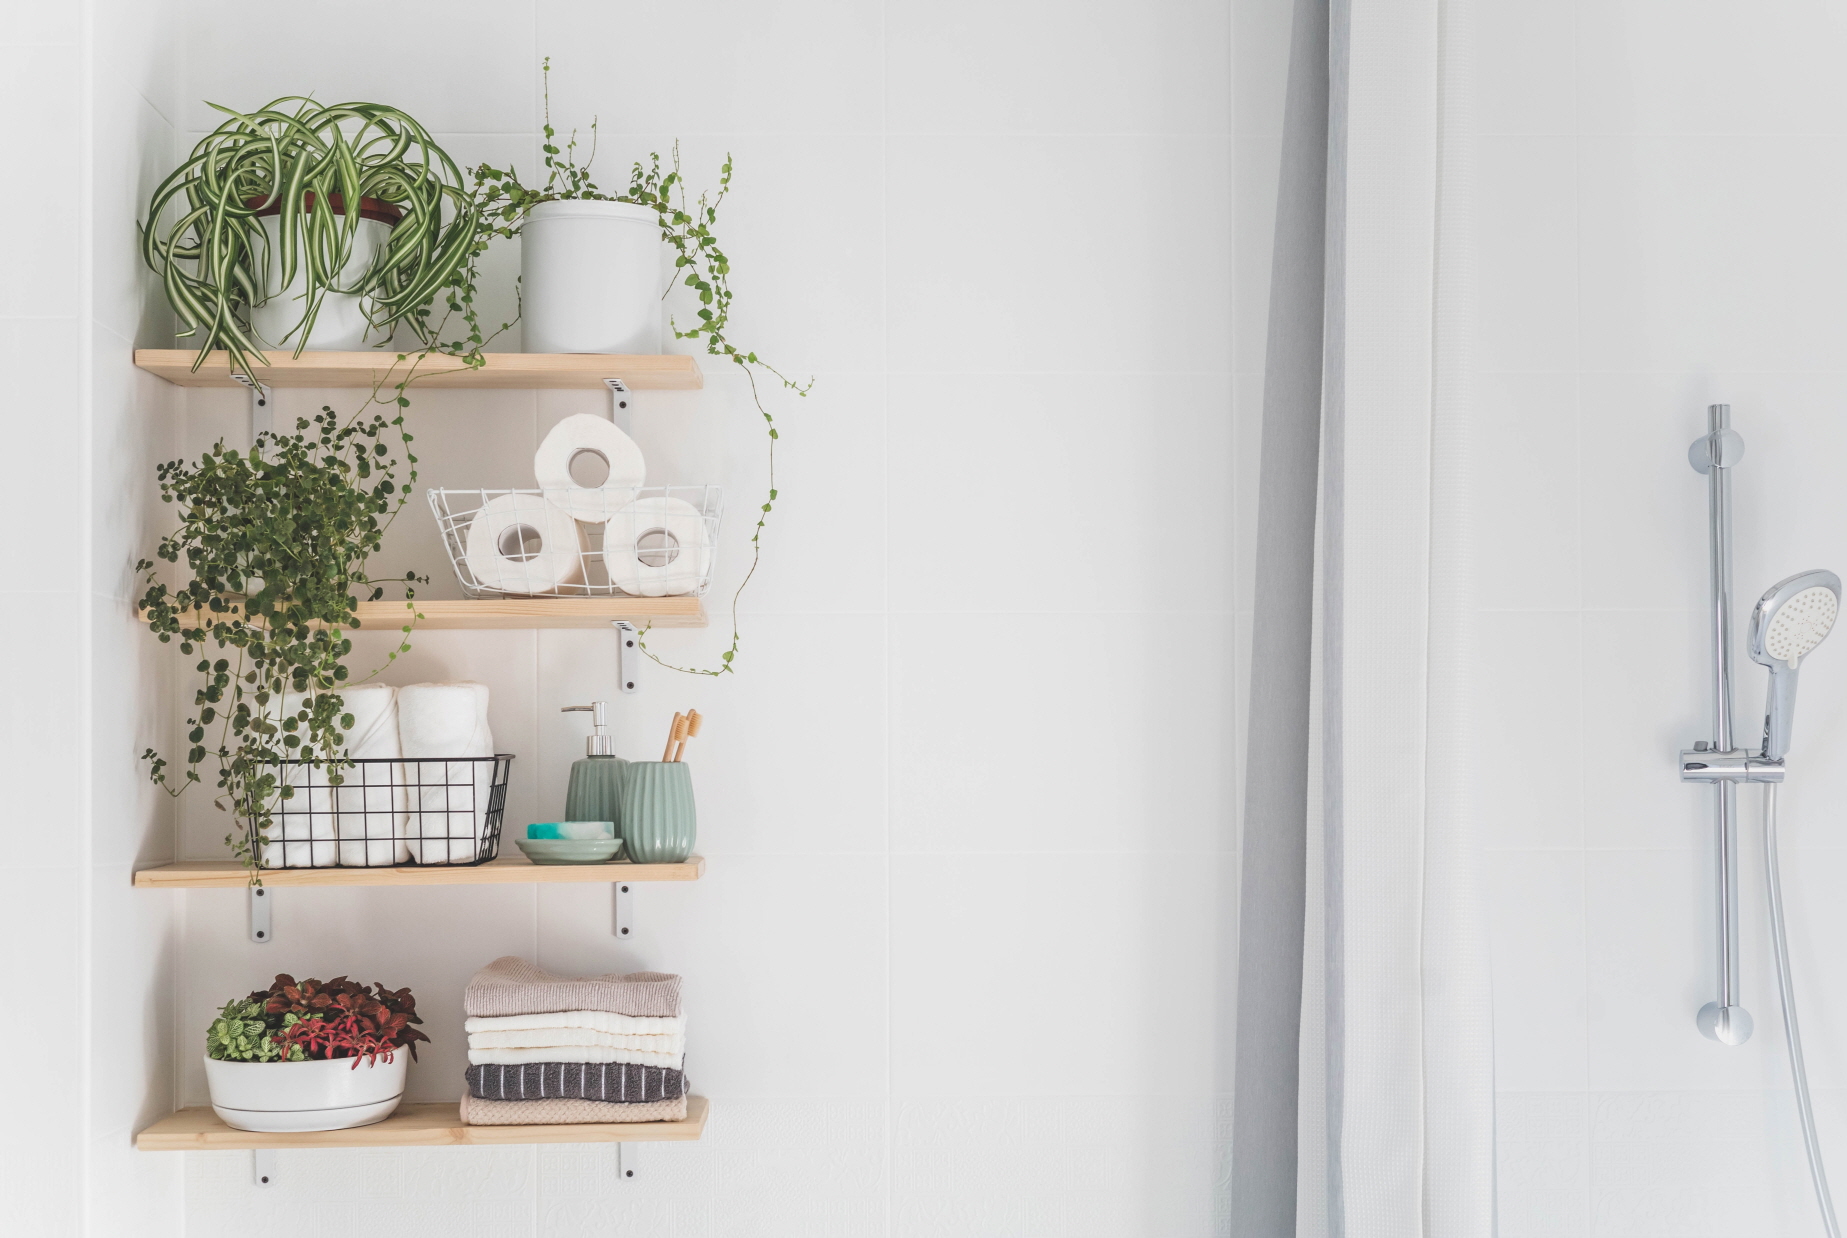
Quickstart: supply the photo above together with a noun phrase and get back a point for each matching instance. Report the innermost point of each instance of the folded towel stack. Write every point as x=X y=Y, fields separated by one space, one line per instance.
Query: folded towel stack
x=545 y=1049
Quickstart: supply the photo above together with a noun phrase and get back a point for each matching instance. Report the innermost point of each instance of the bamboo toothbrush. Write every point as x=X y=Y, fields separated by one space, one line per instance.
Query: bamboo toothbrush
x=674 y=735
x=691 y=729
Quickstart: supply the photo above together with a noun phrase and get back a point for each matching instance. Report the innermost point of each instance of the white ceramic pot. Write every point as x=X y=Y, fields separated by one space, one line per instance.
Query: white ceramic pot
x=341 y=324
x=590 y=278
x=306 y=1096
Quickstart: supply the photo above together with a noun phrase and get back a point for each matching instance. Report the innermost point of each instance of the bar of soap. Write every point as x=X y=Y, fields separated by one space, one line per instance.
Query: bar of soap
x=571 y=829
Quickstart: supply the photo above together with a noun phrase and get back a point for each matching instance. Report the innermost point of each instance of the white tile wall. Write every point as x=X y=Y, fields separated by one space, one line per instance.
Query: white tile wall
x=1658 y=204
x=969 y=802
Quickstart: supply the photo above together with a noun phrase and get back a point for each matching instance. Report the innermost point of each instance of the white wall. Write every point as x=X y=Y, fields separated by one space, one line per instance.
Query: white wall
x=1661 y=190
x=89 y=90
x=967 y=805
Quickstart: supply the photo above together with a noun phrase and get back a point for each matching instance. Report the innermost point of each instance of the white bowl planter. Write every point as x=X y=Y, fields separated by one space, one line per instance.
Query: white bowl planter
x=341 y=324
x=331 y=1095
x=590 y=278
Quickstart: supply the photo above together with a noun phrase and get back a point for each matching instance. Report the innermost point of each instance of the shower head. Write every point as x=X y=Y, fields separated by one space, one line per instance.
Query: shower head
x=1789 y=621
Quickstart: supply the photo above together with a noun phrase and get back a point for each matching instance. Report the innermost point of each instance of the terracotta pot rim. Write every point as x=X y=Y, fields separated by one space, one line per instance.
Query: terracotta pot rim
x=369 y=208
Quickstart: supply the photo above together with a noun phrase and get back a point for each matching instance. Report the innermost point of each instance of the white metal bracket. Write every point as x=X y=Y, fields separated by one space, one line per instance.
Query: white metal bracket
x=263 y=1166
x=625 y=910
x=262 y=407
x=260 y=902
x=618 y=401
x=628 y=655
x=628 y=1161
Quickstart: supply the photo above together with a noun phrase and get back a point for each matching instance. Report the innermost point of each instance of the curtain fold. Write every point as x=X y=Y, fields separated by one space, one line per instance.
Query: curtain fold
x=1358 y=877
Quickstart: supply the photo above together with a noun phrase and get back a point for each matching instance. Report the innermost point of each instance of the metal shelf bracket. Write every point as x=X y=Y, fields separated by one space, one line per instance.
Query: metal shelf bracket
x=262 y=407
x=625 y=910
x=628 y=655
x=263 y=1166
x=618 y=401
x=261 y=900
x=628 y=1161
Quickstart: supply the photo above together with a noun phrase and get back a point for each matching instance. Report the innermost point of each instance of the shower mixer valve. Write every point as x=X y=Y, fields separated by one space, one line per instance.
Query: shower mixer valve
x=1702 y=763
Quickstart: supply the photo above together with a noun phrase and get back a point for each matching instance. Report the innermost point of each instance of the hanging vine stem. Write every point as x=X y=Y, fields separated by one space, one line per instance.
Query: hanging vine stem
x=687 y=227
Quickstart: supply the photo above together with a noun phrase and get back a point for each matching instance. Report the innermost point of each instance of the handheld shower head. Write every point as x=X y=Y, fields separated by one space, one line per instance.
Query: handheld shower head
x=1789 y=621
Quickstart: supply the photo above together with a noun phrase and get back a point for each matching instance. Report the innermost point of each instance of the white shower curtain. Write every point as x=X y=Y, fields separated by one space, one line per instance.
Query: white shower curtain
x=1370 y=1115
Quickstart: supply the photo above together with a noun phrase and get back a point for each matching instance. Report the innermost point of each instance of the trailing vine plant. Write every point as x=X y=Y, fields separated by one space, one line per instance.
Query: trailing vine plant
x=277 y=540
x=504 y=201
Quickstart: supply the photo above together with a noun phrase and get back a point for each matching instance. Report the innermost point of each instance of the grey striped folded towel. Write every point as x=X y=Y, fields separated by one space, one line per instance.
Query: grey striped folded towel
x=614 y=1082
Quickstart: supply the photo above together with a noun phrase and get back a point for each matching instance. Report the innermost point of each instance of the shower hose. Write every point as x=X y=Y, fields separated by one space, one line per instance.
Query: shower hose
x=1792 y=1034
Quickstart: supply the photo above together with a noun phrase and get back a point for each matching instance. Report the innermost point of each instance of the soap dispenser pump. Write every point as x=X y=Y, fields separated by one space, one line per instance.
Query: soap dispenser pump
x=595 y=793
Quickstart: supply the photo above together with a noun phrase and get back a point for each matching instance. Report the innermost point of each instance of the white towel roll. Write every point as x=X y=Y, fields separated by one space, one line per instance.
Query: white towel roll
x=500 y=551
x=371 y=804
x=667 y=528
x=302 y=827
x=437 y=720
x=573 y=436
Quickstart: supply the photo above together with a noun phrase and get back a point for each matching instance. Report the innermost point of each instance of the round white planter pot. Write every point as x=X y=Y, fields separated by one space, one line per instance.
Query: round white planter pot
x=306 y=1096
x=590 y=278
x=341 y=325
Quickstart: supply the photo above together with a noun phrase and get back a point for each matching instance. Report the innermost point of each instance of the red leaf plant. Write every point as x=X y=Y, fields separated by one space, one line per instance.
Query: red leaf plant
x=340 y=1018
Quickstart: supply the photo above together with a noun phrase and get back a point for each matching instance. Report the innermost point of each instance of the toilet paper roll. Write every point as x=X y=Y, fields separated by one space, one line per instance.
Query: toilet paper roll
x=551 y=464
x=658 y=529
x=500 y=540
x=302 y=828
x=370 y=805
x=452 y=800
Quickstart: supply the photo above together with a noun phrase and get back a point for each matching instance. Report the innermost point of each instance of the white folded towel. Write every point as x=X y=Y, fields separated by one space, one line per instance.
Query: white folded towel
x=446 y=720
x=579 y=1053
x=595 y=1020
x=576 y=1037
x=372 y=800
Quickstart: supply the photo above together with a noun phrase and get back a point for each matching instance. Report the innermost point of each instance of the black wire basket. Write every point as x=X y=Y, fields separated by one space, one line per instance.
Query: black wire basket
x=388 y=812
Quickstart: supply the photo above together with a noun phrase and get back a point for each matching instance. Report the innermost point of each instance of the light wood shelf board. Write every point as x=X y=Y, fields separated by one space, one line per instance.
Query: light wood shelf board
x=504 y=371
x=507 y=870
x=412 y=1126
x=486 y=614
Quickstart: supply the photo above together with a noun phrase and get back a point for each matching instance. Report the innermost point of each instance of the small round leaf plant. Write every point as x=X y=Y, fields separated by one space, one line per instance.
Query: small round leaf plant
x=504 y=201
x=276 y=542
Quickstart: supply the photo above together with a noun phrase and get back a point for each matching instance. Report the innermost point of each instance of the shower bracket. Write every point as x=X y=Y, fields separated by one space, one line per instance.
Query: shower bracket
x=1703 y=764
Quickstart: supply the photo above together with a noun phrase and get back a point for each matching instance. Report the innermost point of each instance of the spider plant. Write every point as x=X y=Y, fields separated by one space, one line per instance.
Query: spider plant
x=217 y=260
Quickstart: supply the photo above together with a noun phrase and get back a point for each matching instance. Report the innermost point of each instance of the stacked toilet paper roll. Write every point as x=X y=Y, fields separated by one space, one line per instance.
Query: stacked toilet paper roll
x=446 y=720
x=370 y=804
x=536 y=544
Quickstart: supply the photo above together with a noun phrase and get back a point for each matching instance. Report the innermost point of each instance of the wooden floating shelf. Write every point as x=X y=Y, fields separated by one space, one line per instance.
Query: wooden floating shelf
x=483 y=613
x=504 y=371
x=507 y=870
x=412 y=1126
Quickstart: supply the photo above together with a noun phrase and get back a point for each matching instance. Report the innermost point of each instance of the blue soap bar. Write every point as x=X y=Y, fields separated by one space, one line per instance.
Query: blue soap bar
x=571 y=829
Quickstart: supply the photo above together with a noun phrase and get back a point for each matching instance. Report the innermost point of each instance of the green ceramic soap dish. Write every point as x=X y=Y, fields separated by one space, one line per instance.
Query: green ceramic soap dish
x=570 y=850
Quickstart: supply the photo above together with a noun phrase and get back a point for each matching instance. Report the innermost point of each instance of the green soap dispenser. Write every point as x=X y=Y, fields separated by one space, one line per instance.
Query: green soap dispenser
x=595 y=792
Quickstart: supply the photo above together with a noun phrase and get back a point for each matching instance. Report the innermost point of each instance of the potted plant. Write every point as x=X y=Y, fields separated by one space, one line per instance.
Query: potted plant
x=306 y=226
x=590 y=276
x=311 y=1056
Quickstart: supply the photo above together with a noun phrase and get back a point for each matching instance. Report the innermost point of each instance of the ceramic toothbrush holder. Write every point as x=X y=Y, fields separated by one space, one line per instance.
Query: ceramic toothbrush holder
x=658 y=822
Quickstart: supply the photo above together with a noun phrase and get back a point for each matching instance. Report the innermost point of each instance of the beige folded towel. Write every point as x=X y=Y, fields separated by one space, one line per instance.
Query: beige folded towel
x=572 y=1053
x=511 y=985
x=566 y=1112
x=595 y=1020
x=574 y=1037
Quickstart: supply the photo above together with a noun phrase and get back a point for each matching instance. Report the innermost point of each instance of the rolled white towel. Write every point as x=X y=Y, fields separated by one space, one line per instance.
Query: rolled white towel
x=302 y=827
x=519 y=1057
x=371 y=803
x=575 y=1037
x=446 y=720
x=595 y=1020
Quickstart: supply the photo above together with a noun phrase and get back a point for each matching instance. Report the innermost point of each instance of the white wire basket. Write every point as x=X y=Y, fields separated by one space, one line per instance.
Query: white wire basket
x=649 y=541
